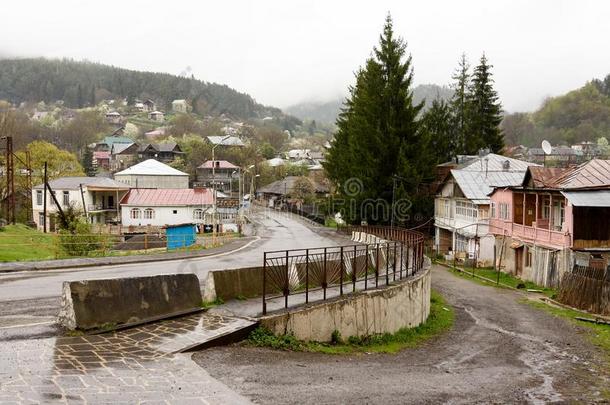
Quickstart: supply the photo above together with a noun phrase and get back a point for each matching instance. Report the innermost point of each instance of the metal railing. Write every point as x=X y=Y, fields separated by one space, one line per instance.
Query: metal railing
x=342 y=268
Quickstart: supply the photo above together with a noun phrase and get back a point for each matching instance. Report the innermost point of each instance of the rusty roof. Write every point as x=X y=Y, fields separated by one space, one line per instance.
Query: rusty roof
x=543 y=177
x=594 y=174
x=168 y=197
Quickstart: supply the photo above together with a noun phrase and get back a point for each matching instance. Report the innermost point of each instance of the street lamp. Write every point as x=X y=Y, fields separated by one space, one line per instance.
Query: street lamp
x=214 y=187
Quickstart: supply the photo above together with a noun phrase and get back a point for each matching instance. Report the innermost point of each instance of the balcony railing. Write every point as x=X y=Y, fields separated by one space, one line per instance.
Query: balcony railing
x=529 y=233
x=101 y=207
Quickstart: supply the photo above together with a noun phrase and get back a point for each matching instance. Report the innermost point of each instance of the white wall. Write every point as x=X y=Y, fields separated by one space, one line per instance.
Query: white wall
x=162 y=215
x=148 y=181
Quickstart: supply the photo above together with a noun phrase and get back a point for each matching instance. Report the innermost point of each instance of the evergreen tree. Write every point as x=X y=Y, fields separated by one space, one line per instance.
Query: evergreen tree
x=438 y=125
x=87 y=162
x=460 y=86
x=378 y=135
x=484 y=111
x=92 y=97
x=79 y=96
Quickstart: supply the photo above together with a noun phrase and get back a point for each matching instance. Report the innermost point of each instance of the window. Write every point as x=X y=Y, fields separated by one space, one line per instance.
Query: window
x=198 y=214
x=149 y=213
x=493 y=210
x=135 y=213
x=504 y=211
x=174 y=211
x=461 y=243
x=38 y=197
x=466 y=209
x=40 y=218
x=66 y=198
x=546 y=207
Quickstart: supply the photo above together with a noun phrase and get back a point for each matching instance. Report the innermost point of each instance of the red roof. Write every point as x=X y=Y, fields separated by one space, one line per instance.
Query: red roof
x=221 y=164
x=101 y=155
x=168 y=197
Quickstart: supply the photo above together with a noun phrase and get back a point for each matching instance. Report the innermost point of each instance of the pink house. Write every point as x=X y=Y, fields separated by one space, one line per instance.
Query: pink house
x=556 y=219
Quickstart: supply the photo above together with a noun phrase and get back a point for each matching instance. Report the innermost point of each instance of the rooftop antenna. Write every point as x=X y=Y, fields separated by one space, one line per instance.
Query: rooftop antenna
x=547 y=149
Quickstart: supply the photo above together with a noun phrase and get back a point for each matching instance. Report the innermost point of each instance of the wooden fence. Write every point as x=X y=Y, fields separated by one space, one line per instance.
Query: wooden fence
x=586 y=288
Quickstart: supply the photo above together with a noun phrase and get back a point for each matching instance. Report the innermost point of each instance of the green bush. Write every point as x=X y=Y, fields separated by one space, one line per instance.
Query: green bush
x=80 y=241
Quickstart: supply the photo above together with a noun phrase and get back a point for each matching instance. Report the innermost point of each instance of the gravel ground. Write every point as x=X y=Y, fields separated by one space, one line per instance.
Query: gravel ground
x=499 y=351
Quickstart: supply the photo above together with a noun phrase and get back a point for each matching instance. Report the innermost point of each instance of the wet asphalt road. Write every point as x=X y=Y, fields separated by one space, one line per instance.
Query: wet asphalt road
x=32 y=298
x=500 y=350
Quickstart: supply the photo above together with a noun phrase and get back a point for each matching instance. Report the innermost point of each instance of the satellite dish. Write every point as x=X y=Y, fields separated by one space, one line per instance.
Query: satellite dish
x=546 y=147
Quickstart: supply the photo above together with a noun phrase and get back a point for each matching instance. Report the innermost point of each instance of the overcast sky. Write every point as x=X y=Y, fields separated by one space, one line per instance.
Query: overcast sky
x=283 y=52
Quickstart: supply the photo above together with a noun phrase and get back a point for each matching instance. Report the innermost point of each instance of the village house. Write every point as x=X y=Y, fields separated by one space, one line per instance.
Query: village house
x=554 y=220
x=156 y=116
x=180 y=106
x=106 y=144
x=279 y=192
x=168 y=207
x=148 y=105
x=96 y=197
x=113 y=117
x=152 y=174
x=462 y=204
x=101 y=160
x=164 y=152
x=218 y=174
x=123 y=155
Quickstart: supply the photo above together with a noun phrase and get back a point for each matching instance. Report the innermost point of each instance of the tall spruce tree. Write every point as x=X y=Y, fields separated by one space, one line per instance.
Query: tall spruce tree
x=485 y=111
x=378 y=133
x=438 y=125
x=459 y=106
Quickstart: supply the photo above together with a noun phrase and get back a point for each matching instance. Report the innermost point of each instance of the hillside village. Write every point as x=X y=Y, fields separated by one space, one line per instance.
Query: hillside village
x=168 y=239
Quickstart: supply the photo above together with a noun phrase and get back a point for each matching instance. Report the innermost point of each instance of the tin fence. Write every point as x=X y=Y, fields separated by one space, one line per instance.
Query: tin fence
x=343 y=269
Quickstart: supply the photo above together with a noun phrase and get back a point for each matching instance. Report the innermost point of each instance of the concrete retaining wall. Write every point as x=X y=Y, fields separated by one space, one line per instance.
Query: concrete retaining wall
x=230 y=284
x=90 y=304
x=385 y=310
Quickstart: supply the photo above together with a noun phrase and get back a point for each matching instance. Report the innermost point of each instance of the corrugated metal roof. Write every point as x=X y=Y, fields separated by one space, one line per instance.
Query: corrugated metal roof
x=592 y=198
x=286 y=185
x=73 y=183
x=222 y=164
x=477 y=186
x=151 y=167
x=168 y=197
x=592 y=174
x=544 y=176
x=492 y=162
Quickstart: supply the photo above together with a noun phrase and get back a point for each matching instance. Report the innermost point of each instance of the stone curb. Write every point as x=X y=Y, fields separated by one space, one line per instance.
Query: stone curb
x=12 y=267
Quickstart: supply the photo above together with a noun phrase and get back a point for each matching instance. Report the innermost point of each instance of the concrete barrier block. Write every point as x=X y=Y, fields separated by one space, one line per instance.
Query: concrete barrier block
x=90 y=304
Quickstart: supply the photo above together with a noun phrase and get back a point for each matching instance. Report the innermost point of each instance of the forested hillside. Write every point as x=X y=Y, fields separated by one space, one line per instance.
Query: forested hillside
x=81 y=84
x=580 y=115
x=327 y=112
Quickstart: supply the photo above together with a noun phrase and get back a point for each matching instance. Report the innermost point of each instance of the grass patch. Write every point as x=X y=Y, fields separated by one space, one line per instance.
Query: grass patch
x=439 y=321
x=212 y=304
x=19 y=242
x=330 y=222
x=598 y=334
x=505 y=278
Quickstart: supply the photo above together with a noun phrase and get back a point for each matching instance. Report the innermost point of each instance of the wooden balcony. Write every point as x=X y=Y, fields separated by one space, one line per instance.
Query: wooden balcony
x=531 y=234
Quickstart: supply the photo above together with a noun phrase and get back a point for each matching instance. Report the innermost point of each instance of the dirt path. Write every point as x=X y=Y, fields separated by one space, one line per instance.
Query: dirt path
x=500 y=350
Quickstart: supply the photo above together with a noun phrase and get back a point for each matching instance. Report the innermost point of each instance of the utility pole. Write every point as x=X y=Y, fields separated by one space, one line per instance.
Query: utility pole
x=44 y=199
x=10 y=180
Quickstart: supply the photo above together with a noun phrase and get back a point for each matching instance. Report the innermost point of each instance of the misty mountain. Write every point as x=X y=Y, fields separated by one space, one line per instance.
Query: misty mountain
x=327 y=112
x=580 y=115
x=81 y=84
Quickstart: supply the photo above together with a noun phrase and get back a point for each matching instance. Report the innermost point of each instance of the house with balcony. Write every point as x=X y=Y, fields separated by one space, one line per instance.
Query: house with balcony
x=97 y=198
x=555 y=219
x=462 y=205
x=220 y=173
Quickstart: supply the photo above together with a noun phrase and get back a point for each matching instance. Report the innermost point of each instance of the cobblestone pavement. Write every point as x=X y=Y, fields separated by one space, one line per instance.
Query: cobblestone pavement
x=137 y=365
